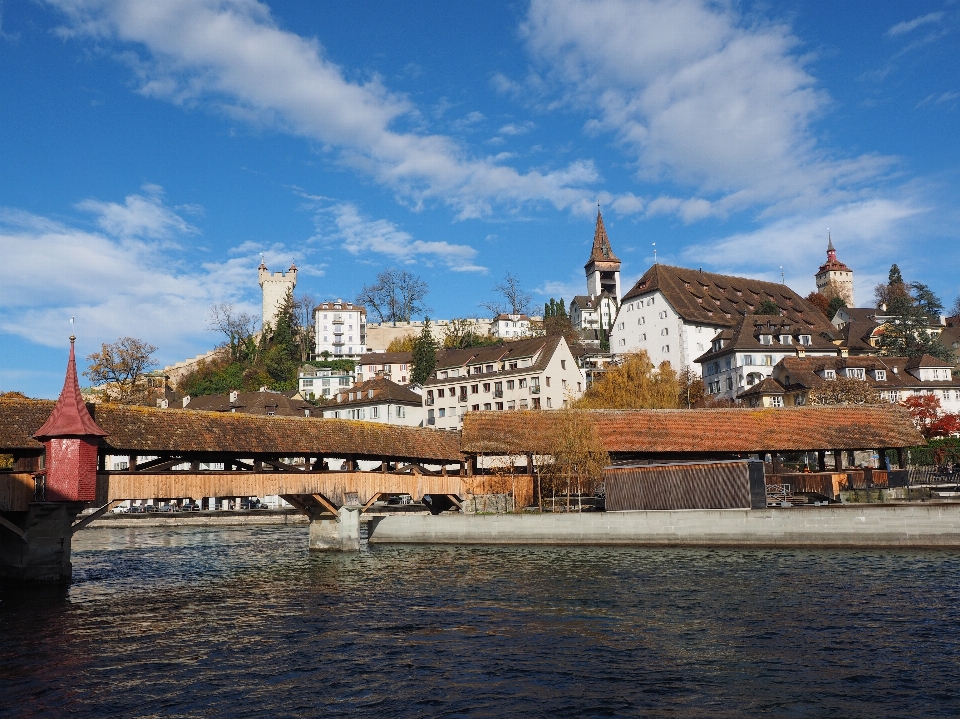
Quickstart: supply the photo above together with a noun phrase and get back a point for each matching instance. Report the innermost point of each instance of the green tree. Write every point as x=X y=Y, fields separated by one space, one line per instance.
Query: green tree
x=927 y=300
x=767 y=307
x=424 y=355
x=834 y=305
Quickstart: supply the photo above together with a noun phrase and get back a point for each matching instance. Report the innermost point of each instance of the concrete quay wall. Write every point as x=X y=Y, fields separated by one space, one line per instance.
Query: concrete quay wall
x=198 y=519
x=926 y=525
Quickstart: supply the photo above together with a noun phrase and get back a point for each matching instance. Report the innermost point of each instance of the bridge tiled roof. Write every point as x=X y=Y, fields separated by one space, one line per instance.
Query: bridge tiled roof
x=702 y=431
x=145 y=431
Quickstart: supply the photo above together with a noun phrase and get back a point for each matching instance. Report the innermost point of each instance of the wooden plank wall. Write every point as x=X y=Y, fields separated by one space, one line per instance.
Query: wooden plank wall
x=332 y=485
x=519 y=486
x=16 y=491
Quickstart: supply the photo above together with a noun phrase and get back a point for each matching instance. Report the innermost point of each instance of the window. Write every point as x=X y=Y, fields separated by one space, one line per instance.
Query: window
x=403 y=368
x=475 y=407
x=665 y=349
x=665 y=331
x=881 y=375
x=643 y=336
x=786 y=340
x=442 y=412
x=307 y=382
x=663 y=315
x=344 y=381
x=727 y=363
x=620 y=325
x=522 y=383
x=729 y=383
x=510 y=384
x=855 y=372
x=488 y=406
x=443 y=375
x=829 y=374
x=776 y=401
x=548 y=381
x=524 y=404
x=549 y=403
x=486 y=386
x=642 y=321
x=768 y=360
x=512 y=404
x=766 y=339
x=499 y=406
x=563 y=383
x=489 y=368
x=563 y=364
x=748 y=359
x=477 y=369
x=474 y=389
x=401 y=412
x=800 y=400
x=512 y=365
x=498 y=389
x=806 y=341
x=650 y=301
x=440 y=392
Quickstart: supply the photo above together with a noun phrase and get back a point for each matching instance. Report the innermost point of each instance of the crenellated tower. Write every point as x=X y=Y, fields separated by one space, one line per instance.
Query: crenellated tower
x=274 y=287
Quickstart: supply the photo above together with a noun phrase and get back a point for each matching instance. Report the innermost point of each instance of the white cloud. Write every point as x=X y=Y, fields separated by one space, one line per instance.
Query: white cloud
x=516 y=129
x=700 y=97
x=343 y=223
x=230 y=54
x=115 y=284
x=901 y=28
x=141 y=216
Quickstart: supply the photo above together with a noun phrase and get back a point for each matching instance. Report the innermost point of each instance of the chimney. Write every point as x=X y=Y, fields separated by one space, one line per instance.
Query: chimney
x=801 y=351
x=844 y=352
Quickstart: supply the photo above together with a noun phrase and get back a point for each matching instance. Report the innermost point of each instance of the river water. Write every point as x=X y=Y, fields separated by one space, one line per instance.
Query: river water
x=245 y=622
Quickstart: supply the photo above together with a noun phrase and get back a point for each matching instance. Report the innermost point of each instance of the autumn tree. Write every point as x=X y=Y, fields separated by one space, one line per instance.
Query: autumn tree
x=396 y=296
x=402 y=344
x=119 y=370
x=635 y=383
x=239 y=329
x=576 y=458
x=462 y=333
x=821 y=302
x=511 y=298
x=424 y=355
x=930 y=418
x=844 y=390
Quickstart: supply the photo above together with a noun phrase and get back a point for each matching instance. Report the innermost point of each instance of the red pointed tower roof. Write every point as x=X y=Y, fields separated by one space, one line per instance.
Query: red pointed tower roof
x=70 y=417
x=601 y=252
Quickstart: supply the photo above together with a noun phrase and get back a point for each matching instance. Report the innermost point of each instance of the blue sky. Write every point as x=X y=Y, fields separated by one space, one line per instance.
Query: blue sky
x=151 y=151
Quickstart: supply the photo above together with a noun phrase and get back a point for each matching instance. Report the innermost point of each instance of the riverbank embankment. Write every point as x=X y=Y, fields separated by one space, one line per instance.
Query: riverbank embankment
x=201 y=519
x=915 y=525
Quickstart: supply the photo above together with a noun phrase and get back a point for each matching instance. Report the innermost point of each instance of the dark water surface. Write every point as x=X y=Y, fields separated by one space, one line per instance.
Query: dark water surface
x=245 y=622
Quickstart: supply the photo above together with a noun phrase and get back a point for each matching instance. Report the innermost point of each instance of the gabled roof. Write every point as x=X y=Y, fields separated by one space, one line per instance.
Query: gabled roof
x=703 y=431
x=745 y=337
x=340 y=306
x=721 y=300
x=70 y=416
x=805 y=372
x=768 y=386
x=494 y=354
x=374 y=391
x=371 y=358
x=927 y=361
x=601 y=251
x=859 y=314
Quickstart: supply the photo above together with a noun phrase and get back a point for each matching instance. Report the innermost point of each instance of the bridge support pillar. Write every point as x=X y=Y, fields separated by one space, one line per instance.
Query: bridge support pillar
x=337 y=535
x=35 y=545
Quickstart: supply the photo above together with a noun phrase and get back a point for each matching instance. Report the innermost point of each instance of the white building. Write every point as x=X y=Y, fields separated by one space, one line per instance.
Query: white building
x=341 y=329
x=535 y=373
x=377 y=400
x=674 y=313
x=510 y=326
x=742 y=356
x=395 y=366
x=381 y=334
x=274 y=287
x=316 y=382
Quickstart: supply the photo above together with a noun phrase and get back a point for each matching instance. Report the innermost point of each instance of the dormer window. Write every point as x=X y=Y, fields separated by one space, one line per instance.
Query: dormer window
x=855 y=373
x=829 y=374
x=766 y=339
x=806 y=340
x=717 y=345
x=786 y=340
x=443 y=375
x=880 y=375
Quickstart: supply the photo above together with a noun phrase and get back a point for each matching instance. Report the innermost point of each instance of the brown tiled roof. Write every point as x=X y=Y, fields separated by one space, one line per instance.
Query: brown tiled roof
x=601 y=250
x=767 y=386
x=331 y=306
x=712 y=299
x=382 y=358
x=719 y=431
x=384 y=390
x=145 y=430
x=803 y=371
x=277 y=403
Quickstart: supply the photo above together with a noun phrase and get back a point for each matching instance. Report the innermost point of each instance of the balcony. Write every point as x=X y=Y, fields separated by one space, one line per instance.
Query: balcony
x=337 y=320
x=431 y=420
x=338 y=341
x=498 y=393
x=463 y=398
x=428 y=401
x=534 y=389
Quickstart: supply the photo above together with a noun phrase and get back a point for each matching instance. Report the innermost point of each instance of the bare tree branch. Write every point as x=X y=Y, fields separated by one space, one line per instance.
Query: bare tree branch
x=396 y=296
x=515 y=301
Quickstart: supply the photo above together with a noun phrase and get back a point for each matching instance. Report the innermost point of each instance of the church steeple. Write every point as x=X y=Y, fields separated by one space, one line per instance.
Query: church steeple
x=603 y=267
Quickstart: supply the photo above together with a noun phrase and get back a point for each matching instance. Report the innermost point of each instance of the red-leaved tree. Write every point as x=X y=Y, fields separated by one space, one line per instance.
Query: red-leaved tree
x=930 y=418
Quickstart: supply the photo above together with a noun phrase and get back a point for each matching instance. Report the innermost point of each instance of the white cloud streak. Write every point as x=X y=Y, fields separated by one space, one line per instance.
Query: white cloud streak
x=343 y=224
x=230 y=54
x=902 y=28
x=699 y=97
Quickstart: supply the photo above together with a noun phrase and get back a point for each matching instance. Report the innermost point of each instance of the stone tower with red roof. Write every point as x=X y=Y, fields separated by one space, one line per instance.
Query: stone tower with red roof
x=835 y=279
